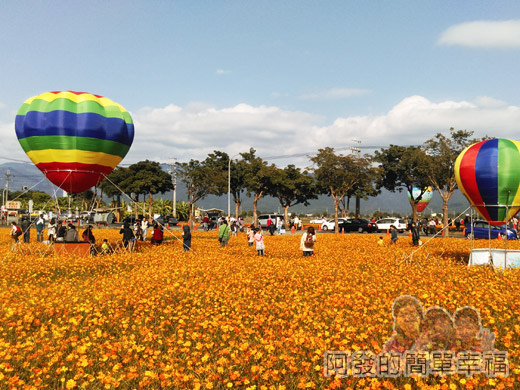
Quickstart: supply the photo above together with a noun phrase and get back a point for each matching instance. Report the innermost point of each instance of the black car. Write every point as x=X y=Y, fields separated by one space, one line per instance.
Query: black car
x=131 y=219
x=167 y=220
x=359 y=225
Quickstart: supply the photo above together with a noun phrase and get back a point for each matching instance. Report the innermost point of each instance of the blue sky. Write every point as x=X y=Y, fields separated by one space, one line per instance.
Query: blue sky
x=282 y=77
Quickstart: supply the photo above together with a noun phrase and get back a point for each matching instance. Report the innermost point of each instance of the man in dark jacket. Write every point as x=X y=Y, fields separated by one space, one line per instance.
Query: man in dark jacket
x=415 y=234
x=128 y=234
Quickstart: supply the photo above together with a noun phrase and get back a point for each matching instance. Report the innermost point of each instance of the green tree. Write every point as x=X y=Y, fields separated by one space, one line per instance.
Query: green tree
x=292 y=186
x=442 y=151
x=224 y=172
x=197 y=176
x=336 y=175
x=147 y=178
x=257 y=178
x=404 y=167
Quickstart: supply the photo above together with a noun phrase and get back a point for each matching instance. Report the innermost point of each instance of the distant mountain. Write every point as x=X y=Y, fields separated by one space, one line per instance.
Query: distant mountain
x=26 y=174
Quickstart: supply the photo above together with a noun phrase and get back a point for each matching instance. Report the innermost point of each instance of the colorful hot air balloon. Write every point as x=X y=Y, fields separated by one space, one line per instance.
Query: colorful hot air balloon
x=74 y=138
x=488 y=174
x=425 y=198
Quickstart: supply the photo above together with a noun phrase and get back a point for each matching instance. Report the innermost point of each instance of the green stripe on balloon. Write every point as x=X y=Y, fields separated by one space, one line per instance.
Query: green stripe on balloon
x=508 y=174
x=78 y=143
x=88 y=106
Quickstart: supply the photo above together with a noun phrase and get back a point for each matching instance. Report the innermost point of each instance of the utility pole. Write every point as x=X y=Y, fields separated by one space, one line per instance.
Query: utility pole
x=8 y=175
x=173 y=171
x=358 y=199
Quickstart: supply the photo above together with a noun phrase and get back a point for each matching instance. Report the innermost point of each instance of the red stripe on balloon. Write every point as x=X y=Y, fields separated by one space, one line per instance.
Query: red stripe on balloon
x=469 y=180
x=77 y=93
x=74 y=177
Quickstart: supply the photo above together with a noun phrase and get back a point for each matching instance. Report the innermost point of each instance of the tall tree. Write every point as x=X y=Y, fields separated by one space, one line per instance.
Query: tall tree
x=148 y=178
x=257 y=178
x=224 y=171
x=198 y=178
x=442 y=151
x=336 y=175
x=404 y=167
x=292 y=186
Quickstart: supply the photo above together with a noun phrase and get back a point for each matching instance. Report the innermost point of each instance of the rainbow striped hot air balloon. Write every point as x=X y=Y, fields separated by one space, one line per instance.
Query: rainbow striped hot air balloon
x=425 y=198
x=74 y=138
x=488 y=174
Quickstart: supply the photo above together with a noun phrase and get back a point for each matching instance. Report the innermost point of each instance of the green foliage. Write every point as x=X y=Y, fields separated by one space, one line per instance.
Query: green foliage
x=183 y=211
x=292 y=186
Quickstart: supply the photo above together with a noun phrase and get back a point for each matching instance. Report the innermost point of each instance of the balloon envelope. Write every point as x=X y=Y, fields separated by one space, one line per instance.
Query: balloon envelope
x=488 y=174
x=425 y=198
x=74 y=138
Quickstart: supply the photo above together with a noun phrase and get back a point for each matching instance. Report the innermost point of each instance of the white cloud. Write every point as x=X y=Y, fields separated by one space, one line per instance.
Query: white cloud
x=501 y=34
x=335 y=93
x=222 y=71
x=194 y=130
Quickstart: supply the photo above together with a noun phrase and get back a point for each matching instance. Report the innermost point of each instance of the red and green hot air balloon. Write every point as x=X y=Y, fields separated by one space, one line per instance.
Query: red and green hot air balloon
x=74 y=138
x=488 y=174
x=425 y=198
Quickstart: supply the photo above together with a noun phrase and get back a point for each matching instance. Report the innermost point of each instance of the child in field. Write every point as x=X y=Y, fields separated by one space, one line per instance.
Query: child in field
x=250 y=235
x=380 y=241
x=105 y=249
x=260 y=245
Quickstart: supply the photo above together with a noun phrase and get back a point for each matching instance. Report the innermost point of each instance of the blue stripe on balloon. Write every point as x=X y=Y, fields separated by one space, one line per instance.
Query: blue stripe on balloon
x=58 y=122
x=486 y=173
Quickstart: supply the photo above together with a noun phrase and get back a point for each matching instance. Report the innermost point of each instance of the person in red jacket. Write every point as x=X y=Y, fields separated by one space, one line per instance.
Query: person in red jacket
x=157 y=236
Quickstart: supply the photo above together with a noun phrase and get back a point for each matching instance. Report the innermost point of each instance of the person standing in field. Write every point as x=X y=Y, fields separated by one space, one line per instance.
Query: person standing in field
x=251 y=235
x=40 y=224
x=16 y=231
x=144 y=228
x=260 y=245
x=223 y=233
x=51 y=230
x=307 y=241
x=128 y=234
x=393 y=234
x=186 y=238
x=26 y=228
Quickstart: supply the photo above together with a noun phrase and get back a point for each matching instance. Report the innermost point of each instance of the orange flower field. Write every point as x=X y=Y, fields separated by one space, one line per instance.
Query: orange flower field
x=161 y=318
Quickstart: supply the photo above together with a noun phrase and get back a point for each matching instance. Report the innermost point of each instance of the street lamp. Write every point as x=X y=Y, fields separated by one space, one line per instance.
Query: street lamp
x=229 y=185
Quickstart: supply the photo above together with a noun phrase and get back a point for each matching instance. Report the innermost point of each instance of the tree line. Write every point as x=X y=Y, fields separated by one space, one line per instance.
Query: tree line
x=342 y=177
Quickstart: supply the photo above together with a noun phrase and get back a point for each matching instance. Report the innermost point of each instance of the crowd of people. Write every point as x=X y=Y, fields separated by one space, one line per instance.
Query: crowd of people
x=66 y=232
x=228 y=227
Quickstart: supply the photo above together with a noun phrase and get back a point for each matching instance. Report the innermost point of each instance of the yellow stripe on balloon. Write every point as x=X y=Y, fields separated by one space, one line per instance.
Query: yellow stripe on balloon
x=516 y=201
x=457 y=172
x=49 y=97
x=73 y=156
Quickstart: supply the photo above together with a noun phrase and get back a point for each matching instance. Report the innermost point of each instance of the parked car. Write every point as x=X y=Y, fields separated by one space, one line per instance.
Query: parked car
x=359 y=225
x=262 y=219
x=167 y=220
x=384 y=224
x=318 y=221
x=330 y=225
x=131 y=219
x=481 y=229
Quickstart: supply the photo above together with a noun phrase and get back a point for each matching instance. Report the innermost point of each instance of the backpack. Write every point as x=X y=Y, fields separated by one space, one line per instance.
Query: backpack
x=309 y=241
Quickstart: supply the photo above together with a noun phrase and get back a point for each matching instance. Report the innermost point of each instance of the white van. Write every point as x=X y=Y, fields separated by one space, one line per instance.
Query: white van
x=262 y=219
